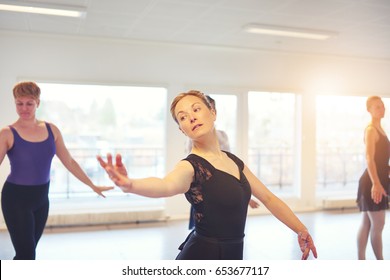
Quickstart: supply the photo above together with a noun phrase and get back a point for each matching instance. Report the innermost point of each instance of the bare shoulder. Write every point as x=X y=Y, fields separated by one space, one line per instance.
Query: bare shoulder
x=180 y=178
x=371 y=132
x=5 y=132
x=55 y=129
x=6 y=137
x=370 y=129
x=53 y=126
x=182 y=171
x=184 y=166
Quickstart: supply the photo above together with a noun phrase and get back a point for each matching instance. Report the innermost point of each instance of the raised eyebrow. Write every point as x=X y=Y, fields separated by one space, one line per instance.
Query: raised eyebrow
x=178 y=113
x=195 y=104
x=192 y=106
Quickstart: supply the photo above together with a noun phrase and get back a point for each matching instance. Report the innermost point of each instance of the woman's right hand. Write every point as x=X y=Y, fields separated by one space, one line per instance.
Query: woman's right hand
x=377 y=193
x=117 y=173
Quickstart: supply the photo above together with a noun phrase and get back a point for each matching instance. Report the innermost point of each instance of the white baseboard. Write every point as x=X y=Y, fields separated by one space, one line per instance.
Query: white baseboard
x=339 y=203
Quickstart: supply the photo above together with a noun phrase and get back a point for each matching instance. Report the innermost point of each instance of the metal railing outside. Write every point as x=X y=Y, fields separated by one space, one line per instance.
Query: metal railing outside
x=139 y=161
x=338 y=169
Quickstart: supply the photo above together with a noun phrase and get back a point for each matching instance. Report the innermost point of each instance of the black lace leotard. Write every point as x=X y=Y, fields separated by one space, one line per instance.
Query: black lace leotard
x=221 y=202
x=381 y=158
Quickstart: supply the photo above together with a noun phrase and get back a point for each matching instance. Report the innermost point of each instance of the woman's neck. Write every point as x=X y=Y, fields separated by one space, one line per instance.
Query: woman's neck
x=376 y=122
x=207 y=146
x=27 y=123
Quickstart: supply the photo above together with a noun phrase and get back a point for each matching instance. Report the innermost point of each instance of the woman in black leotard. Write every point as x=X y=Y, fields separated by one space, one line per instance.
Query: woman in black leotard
x=374 y=183
x=216 y=183
x=224 y=145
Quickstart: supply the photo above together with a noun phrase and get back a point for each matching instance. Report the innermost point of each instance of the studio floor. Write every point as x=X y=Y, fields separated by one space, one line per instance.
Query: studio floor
x=334 y=233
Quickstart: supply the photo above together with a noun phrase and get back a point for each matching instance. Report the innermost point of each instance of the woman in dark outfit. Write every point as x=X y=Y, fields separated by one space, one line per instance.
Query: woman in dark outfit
x=374 y=186
x=224 y=145
x=217 y=184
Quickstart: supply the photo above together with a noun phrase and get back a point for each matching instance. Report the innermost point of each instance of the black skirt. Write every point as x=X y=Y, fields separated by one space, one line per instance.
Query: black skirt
x=198 y=247
x=364 y=200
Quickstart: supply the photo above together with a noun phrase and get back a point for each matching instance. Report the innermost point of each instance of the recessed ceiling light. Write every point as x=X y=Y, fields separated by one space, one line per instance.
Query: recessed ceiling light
x=288 y=31
x=43 y=8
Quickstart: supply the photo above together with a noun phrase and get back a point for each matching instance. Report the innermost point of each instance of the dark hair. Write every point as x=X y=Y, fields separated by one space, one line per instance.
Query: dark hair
x=211 y=101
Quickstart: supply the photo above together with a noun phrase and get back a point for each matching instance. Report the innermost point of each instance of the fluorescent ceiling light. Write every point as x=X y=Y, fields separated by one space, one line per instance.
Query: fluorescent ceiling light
x=43 y=8
x=288 y=31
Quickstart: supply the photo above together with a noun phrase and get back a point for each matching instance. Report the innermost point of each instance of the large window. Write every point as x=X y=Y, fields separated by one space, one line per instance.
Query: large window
x=96 y=119
x=341 y=121
x=226 y=106
x=271 y=140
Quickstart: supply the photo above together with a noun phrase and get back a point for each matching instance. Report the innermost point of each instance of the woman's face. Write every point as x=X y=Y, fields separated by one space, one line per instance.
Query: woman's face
x=377 y=109
x=194 y=117
x=26 y=107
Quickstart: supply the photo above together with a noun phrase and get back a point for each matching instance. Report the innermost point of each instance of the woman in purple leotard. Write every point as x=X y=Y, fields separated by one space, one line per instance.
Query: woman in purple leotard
x=30 y=145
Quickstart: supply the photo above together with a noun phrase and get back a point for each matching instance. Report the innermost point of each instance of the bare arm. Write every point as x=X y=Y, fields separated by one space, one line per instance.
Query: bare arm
x=274 y=204
x=282 y=212
x=176 y=182
x=377 y=190
x=6 y=139
x=70 y=164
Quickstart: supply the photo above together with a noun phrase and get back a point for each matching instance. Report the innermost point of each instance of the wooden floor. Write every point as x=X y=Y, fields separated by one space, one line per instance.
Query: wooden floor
x=266 y=238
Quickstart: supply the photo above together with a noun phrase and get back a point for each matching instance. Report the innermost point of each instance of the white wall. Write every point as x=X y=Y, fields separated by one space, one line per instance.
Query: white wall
x=184 y=67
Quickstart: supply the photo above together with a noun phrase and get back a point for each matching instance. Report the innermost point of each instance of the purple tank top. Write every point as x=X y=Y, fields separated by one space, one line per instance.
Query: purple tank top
x=31 y=161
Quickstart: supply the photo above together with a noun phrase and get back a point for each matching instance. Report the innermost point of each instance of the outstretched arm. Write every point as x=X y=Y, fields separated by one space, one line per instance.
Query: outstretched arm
x=176 y=182
x=70 y=164
x=282 y=212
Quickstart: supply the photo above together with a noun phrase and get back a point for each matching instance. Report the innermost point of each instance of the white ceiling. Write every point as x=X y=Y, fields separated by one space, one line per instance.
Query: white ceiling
x=363 y=25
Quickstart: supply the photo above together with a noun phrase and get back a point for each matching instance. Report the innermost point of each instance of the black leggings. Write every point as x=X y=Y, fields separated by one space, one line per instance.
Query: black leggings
x=25 y=210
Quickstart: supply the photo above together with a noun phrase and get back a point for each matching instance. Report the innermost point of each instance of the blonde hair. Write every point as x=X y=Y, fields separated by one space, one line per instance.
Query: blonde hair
x=370 y=100
x=27 y=89
x=180 y=96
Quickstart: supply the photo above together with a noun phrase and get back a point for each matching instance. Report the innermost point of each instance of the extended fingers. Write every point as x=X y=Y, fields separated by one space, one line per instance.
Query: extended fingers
x=118 y=160
x=109 y=159
x=311 y=246
x=305 y=254
x=100 y=190
x=101 y=161
x=306 y=244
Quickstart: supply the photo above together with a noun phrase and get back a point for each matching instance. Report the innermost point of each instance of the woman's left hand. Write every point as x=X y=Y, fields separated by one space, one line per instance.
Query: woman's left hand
x=306 y=244
x=100 y=189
